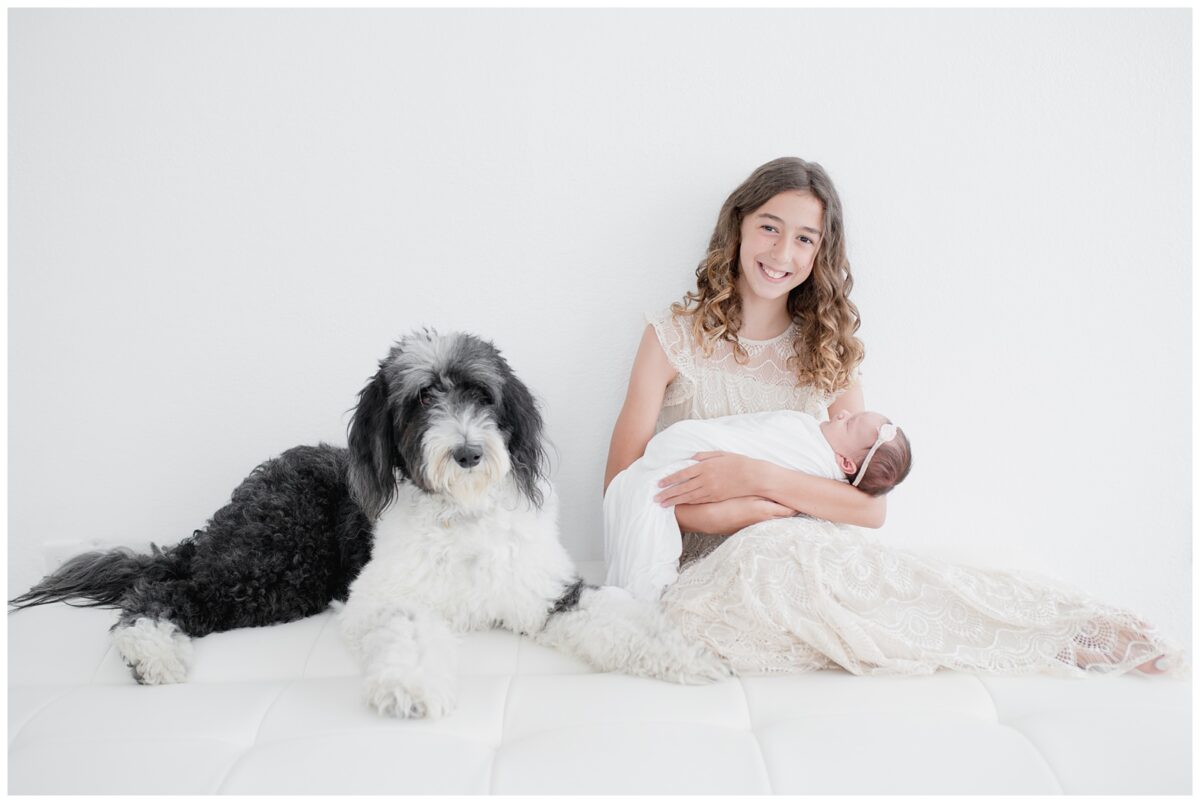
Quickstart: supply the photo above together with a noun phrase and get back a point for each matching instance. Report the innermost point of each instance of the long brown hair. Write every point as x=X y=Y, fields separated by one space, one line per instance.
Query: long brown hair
x=826 y=350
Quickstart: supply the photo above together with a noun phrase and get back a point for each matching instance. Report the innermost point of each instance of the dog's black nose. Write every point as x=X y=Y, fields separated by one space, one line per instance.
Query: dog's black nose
x=468 y=456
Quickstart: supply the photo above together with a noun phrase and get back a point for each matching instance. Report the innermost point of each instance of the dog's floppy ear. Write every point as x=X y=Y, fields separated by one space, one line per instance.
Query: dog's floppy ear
x=520 y=418
x=373 y=456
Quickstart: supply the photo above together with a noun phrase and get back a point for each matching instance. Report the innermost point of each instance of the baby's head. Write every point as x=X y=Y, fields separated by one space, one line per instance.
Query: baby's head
x=859 y=438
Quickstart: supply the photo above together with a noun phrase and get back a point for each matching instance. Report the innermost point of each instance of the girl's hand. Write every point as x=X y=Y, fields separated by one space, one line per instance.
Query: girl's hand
x=716 y=477
x=726 y=518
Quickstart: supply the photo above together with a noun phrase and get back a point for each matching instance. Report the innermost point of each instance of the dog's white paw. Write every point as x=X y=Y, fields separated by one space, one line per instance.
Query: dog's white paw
x=155 y=650
x=409 y=698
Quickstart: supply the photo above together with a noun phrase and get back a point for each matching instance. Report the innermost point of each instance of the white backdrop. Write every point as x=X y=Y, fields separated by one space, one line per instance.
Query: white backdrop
x=220 y=220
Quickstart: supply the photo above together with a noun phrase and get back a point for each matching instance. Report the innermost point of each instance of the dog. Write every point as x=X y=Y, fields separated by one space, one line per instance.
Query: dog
x=437 y=519
x=470 y=540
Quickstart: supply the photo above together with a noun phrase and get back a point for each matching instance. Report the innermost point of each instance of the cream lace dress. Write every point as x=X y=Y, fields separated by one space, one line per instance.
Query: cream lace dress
x=799 y=594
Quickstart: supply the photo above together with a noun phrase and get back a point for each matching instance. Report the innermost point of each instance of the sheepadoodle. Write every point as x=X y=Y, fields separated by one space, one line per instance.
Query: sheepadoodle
x=437 y=519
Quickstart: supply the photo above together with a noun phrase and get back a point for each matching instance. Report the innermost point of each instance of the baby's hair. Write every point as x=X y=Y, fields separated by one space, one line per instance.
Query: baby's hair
x=826 y=352
x=888 y=467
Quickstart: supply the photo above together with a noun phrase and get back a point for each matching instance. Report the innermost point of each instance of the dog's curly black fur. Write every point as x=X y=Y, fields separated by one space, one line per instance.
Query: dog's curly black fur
x=290 y=540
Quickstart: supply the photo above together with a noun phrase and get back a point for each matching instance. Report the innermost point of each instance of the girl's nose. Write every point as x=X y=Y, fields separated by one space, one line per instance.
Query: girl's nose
x=781 y=251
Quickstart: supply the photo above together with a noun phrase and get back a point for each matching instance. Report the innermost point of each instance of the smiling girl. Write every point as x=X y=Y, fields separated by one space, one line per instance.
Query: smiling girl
x=778 y=335
x=769 y=327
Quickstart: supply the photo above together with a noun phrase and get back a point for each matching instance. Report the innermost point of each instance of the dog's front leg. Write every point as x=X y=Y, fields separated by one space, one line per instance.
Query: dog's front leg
x=613 y=631
x=409 y=658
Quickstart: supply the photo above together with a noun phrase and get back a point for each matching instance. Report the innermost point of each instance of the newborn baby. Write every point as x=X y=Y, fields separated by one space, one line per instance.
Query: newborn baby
x=642 y=542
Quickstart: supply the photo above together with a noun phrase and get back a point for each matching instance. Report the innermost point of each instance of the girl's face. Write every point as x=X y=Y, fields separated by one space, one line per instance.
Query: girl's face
x=779 y=244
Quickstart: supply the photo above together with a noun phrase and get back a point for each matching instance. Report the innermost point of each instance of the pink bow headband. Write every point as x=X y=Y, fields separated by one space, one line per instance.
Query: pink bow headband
x=887 y=433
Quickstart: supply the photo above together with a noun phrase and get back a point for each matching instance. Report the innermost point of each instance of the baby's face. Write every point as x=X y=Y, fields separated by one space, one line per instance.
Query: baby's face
x=853 y=434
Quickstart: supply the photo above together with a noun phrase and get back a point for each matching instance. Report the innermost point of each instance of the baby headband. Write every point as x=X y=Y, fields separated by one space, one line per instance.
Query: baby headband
x=886 y=433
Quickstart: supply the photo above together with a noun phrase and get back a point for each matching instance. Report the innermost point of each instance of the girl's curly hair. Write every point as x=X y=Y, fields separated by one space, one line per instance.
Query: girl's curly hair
x=826 y=350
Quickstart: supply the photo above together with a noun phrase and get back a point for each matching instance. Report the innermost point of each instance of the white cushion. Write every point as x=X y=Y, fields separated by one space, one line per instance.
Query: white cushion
x=280 y=710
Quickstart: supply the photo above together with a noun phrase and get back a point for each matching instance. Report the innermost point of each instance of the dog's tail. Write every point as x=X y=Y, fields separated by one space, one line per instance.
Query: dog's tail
x=98 y=578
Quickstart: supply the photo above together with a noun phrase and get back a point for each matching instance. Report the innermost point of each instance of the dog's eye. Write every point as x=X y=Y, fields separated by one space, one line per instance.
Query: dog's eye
x=424 y=396
x=476 y=393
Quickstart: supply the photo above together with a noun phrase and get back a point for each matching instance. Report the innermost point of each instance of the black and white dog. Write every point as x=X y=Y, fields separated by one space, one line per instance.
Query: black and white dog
x=438 y=519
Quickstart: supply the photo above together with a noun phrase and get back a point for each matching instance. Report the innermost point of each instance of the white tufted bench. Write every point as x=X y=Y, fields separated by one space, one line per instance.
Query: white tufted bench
x=278 y=710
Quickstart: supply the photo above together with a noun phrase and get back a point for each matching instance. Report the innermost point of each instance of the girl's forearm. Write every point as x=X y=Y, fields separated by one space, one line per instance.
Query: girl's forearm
x=729 y=516
x=820 y=497
x=711 y=518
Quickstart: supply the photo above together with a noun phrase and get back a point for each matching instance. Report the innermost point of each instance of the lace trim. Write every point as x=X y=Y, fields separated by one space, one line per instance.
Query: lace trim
x=767 y=361
x=676 y=343
x=708 y=387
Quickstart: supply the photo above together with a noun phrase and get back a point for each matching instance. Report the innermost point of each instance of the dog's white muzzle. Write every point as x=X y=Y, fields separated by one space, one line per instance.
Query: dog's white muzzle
x=465 y=456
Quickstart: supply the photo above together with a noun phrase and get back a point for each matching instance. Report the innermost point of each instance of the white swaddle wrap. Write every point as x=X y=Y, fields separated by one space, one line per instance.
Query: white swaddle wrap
x=642 y=541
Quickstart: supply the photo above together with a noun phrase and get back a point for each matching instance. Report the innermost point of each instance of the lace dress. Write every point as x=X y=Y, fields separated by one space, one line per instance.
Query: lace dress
x=799 y=594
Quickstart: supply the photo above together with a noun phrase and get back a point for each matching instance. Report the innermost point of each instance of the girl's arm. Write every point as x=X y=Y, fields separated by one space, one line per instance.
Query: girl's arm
x=822 y=498
x=726 y=518
x=648 y=381
x=721 y=476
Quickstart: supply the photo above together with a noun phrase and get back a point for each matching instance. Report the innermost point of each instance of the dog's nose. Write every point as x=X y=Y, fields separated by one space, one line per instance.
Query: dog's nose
x=468 y=456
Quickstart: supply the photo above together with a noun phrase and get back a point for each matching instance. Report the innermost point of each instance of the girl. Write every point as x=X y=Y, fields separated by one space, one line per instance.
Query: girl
x=771 y=327
x=779 y=335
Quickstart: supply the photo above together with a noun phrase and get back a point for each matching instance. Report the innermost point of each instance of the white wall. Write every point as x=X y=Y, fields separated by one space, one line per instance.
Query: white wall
x=220 y=220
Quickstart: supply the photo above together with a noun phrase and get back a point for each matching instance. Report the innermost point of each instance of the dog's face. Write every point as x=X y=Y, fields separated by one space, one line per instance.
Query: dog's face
x=446 y=412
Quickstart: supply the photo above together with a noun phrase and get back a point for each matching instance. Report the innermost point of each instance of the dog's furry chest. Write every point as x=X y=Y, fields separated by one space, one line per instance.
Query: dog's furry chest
x=476 y=569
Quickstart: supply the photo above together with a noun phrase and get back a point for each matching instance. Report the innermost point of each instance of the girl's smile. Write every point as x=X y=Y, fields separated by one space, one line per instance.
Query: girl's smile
x=774 y=275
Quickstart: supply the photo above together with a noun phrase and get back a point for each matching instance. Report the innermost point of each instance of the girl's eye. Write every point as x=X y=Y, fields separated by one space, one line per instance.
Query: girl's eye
x=804 y=239
x=770 y=229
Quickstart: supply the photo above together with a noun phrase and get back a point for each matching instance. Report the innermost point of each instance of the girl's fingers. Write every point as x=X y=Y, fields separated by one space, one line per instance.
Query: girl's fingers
x=691 y=471
x=683 y=493
x=690 y=498
x=683 y=475
x=671 y=496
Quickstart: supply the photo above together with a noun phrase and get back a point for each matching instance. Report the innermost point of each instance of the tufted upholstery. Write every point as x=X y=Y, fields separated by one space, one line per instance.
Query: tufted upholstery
x=277 y=710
